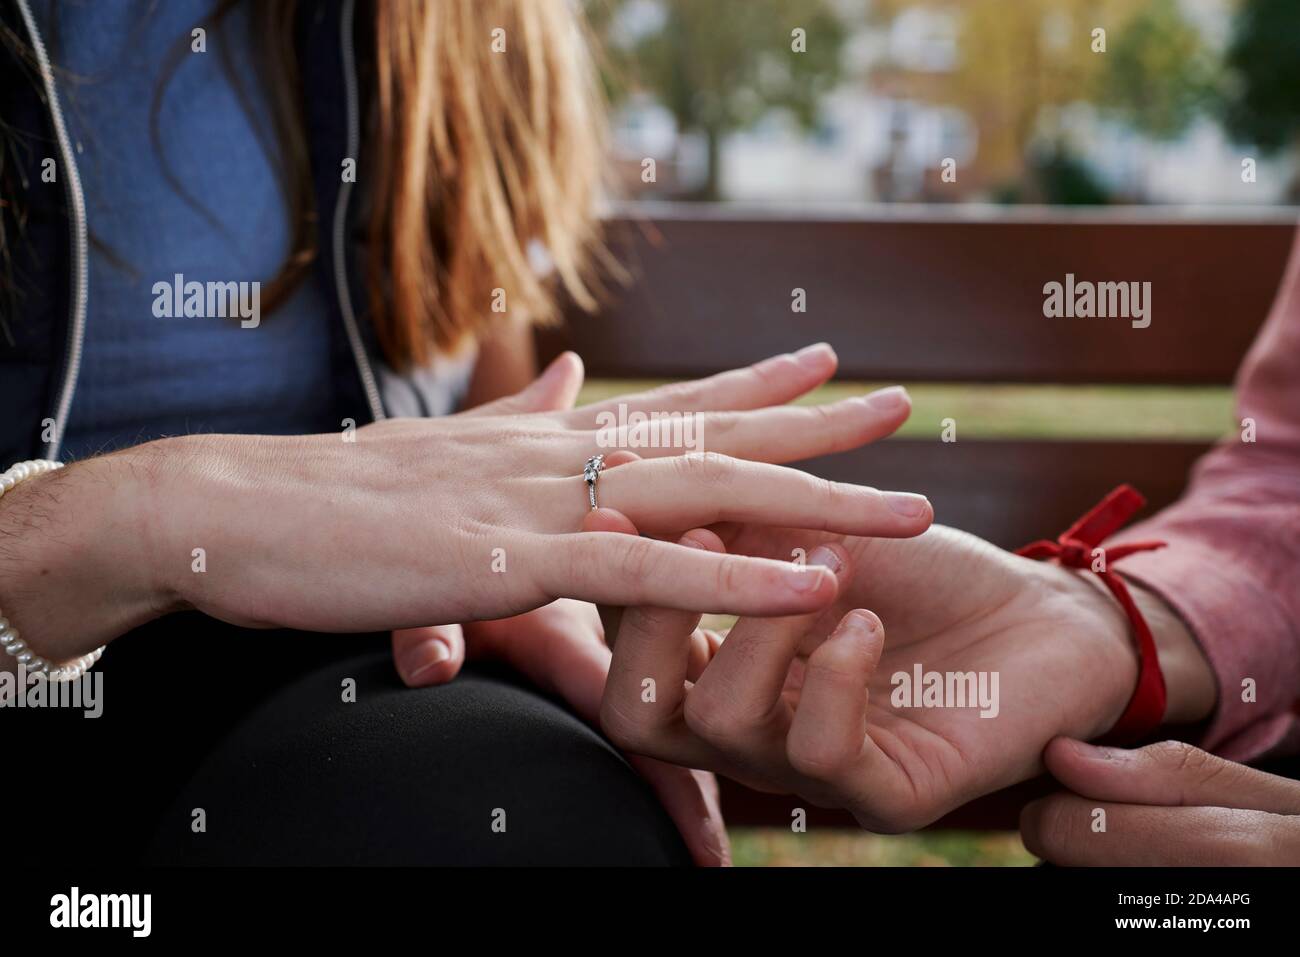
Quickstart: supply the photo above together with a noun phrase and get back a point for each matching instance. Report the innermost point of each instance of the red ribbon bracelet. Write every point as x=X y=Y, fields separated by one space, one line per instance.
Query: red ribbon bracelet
x=1074 y=549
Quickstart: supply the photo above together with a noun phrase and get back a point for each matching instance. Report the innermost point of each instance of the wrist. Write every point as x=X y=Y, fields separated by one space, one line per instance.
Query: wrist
x=1189 y=681
x=150 y=477
x=1190 y=684
x=1115 y=645
x=74 y=568
x=238 y=534
x=199 y=488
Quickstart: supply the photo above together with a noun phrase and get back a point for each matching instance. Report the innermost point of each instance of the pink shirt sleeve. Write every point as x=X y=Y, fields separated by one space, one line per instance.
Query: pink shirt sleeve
x=1232 y=565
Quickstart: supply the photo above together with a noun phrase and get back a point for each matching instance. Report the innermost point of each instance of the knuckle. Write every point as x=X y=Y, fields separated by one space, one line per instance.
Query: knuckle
x=711 y=717
x=837 y=670
x=828 y=493
x=1057 y=829
x=723 y=424
x=771 y=372
x=637 y=562
x=827 y=423
x=707 y=468
x=650 y=623
x=579 y=559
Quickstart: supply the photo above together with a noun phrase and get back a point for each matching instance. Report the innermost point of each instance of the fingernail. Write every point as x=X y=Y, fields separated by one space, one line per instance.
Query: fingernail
x=804 y=579
x=826 y=558
x=861 y=620
x=438 y=653
x=888 y=400
x=906 y=504
x=1097 y=752
x=813 y=355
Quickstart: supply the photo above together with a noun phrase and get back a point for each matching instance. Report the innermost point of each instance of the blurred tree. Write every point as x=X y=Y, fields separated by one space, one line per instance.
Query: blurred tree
x=1021 y=63
x=720 y=65
x=1064 y=180
x=1159 y=73
x=1261 y=98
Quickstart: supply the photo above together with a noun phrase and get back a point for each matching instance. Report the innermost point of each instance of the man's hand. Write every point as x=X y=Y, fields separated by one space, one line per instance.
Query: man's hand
x=1165 y=805
x=783 y=707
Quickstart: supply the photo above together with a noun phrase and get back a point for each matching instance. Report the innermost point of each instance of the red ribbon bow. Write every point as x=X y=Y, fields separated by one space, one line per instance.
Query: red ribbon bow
x=1080 y=547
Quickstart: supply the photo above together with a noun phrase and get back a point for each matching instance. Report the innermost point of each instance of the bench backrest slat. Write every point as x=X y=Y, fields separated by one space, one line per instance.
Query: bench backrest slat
x=958 y=300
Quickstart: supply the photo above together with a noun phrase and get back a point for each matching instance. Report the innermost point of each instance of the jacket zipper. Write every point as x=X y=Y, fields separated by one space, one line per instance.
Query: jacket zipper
x=77 y=219
x=340 y=222
x=77 y=208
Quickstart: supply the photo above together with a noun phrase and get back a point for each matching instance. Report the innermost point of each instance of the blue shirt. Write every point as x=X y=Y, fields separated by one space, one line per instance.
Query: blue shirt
x=144 y=376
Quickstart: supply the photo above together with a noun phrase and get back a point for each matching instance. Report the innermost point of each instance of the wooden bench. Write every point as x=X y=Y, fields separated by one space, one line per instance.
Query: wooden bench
x=945 y=295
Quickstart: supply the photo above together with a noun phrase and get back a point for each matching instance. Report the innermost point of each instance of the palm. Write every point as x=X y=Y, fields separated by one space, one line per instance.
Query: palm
x=953 y=603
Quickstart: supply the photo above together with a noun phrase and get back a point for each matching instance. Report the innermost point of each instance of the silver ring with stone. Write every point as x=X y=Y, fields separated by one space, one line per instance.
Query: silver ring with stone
x=590 y=472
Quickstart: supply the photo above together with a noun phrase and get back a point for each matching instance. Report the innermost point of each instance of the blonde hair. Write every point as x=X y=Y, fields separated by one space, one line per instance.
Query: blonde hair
x=484 y=146
x=488 y=139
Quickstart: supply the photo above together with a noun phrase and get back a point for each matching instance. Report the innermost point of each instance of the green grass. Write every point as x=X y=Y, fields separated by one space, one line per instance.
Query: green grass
x=773 y=847
x=980 y=411
x=1033 y=411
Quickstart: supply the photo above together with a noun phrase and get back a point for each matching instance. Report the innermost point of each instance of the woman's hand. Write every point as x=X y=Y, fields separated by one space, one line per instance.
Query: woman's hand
x=1165 y=805
x=782 y=706
x=476 y=516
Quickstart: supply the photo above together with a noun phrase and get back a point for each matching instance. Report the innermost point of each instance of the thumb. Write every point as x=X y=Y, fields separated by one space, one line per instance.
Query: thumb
x=555 y=390
x=428 y=656
x=1170 y=773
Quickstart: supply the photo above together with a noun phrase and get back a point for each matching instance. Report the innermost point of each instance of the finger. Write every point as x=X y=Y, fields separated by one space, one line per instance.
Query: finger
x=623 y=570
x=1074 y=831
x=691 y=491
x=428 y=656
x=691 y=799
x=782 y=434
x=555 y=390
x=829 y=730
x=704 y=646
x=737 y=705
x=609 y=520
x=641 y=709
x=1170 y=773
x=562 y=656
x=773 y=381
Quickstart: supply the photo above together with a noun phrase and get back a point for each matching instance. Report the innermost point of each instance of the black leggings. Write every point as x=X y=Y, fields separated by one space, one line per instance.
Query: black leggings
x=278 y=768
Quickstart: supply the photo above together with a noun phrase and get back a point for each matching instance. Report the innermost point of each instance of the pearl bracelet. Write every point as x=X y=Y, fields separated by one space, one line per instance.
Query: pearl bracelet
x=14 y=646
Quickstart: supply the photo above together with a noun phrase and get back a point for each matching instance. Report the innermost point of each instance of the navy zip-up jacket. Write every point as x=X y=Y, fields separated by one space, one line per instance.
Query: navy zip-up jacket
x=45 y=300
